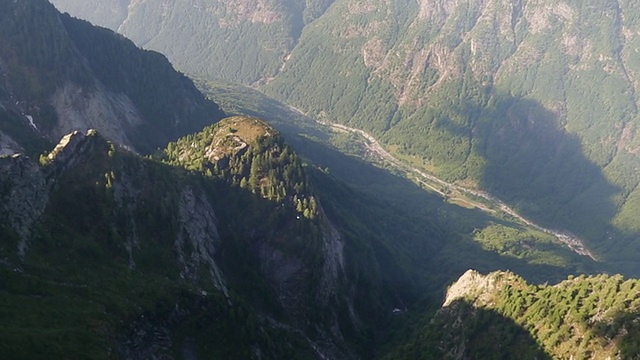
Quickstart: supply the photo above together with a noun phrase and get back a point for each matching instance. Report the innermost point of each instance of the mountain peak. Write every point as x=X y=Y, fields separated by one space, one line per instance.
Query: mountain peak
x=248 y=128
x=235 y=134
x=73 y=145
x=474 y=286
x=247 y=152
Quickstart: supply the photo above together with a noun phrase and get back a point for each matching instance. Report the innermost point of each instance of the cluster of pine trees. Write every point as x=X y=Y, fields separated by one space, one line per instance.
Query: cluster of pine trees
x=265 y=165
x=585 y=317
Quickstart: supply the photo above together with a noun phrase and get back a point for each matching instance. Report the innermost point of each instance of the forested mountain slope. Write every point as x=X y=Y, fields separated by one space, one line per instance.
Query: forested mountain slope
x=534 y=101
x=106 y=254
x=498 y=93
x=499 y=315
x=435 y=238
x=227 y=251
x=60 y=74
x=226 y=242
x=202 y=37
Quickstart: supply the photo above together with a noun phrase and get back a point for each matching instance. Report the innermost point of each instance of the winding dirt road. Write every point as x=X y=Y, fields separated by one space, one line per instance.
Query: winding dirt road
x=574 y=243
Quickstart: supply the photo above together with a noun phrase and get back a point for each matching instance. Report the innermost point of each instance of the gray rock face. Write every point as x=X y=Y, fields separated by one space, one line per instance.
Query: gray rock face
x=25 y=187
x=474 y=286
x=199 y=233
x=333 y=250
x=286 y=273
x=67 y=153
x=125 y=195
x=23 y=196
x=290 y=275
x=8 y=146
x=80 y=110
x=152 y=337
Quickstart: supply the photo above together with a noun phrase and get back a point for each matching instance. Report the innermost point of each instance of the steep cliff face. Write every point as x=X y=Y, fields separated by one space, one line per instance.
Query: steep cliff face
x=114 y=115
x=198 y=232
x=297 y=248
x=333 y=254
x=195 y=248
x=24 y=197
x=8 y=146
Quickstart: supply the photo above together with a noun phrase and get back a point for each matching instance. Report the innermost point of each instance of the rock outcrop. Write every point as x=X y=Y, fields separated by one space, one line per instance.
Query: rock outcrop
x=474 y=286
x=23 y=196
x=78 y=109
x=198 y=232
x=8 y=146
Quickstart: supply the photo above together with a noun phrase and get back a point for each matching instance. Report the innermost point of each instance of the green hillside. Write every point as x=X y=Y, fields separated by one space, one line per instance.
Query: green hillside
x=432 y=237
x=584 y=317
x=118 y=256
x=534 y=102
x=457 y=96
x=320 y=231
x=258 y=34
x=102 y=276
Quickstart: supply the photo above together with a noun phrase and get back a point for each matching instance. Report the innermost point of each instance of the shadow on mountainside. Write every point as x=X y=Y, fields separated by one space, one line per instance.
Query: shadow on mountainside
x=535 y=166
x=150 y=233
x=417 y=237
x=428 y=238
x=462 y=331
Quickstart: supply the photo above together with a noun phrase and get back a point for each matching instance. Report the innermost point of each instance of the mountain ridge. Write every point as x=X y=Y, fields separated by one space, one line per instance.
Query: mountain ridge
x=179 y=256
x=227 y=241
x=499 y=94
x=93 y=205
x=564 y=320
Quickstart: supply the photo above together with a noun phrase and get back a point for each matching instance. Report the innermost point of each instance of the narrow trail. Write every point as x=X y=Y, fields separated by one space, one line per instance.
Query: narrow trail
x=573 y=242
